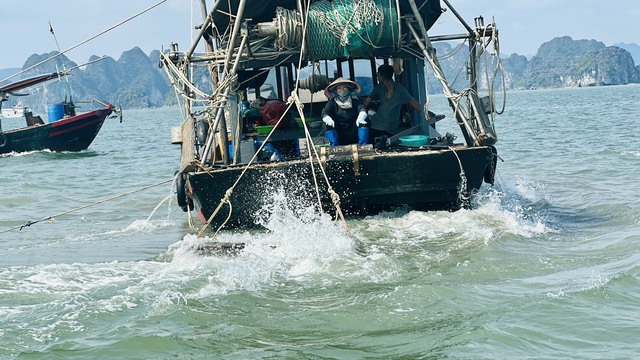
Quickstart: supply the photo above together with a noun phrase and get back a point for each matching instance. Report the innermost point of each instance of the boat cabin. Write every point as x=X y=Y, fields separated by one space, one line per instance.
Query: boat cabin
x=277 y=84
x=253 y=106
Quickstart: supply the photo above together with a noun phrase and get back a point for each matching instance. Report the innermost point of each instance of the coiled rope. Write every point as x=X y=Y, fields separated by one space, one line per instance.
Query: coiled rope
x=288 y=23
x=314 y=83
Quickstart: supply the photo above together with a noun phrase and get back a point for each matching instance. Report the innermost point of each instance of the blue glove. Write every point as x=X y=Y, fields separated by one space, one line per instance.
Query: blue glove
x=362 y=119
x=328 y=121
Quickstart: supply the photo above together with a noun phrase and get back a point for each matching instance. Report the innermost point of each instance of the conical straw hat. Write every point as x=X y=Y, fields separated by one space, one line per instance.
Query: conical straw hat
x=329 y=91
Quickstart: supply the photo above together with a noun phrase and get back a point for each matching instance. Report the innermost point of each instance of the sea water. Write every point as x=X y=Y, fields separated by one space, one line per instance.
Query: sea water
x=545 y=266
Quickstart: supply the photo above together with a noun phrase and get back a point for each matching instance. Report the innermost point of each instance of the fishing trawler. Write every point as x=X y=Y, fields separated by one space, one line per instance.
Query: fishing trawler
x=235 y=154
x=65 y=130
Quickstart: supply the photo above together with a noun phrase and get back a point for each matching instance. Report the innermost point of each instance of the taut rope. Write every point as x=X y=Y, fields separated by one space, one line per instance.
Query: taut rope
x=84 y=42
x=52 y=217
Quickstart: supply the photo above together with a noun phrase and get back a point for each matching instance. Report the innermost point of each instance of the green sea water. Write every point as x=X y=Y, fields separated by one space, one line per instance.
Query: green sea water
x=546 y=265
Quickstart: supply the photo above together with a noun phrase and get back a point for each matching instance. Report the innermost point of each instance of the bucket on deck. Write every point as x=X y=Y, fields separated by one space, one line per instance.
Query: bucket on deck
x=414 y=140
x=56 y=112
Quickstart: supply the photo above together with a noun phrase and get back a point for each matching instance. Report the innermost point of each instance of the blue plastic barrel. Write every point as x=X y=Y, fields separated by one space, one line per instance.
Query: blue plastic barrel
x=56 y=112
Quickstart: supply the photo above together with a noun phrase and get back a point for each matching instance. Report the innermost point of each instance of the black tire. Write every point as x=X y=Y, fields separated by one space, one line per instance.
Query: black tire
x=490 y=171
x=202 y=131
x=183 y=201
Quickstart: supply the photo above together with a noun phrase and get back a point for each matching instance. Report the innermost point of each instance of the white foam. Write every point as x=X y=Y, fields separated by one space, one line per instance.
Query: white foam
x=292 y=249
x=632 y=153
x=145 y=225
x=16 y=154
x=299 y=246
x=509 y=208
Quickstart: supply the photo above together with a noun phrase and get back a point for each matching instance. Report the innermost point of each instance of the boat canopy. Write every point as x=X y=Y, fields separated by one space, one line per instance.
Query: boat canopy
x=337 y=29
x=259 y=11
x=25 y=83
x=265 y=10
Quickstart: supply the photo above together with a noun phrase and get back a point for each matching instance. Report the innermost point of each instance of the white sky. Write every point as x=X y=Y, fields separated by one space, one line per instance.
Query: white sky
x=523 y=24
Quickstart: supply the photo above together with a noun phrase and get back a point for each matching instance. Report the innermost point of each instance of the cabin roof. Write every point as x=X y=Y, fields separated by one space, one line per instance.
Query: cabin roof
x=265 y=10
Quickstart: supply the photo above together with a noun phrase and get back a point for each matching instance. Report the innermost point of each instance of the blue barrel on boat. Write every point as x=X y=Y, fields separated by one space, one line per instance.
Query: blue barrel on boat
x=56 y=112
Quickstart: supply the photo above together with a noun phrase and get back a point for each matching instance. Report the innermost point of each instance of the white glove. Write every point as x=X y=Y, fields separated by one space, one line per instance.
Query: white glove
x=371 y=112
x=362 y=118
x=328 y=121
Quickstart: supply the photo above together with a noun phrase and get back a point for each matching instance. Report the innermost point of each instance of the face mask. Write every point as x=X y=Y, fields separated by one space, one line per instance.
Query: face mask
x=343 y=93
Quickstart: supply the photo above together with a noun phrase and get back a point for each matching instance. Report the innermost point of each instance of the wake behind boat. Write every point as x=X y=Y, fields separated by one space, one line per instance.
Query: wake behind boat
x=66 y=130
x=236 y=153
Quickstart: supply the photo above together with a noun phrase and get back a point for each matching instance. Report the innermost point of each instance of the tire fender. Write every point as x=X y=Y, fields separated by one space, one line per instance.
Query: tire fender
x=490 y=171
x=184 y=201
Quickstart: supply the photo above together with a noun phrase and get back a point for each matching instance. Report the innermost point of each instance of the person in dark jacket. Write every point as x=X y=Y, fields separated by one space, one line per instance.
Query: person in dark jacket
x=344 y=116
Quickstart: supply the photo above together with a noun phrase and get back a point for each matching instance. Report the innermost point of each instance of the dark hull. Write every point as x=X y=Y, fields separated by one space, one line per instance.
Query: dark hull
x=71 y=134
x=422 y=179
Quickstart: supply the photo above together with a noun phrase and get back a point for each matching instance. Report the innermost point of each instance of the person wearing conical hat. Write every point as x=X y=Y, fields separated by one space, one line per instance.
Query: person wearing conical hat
x=344 y=116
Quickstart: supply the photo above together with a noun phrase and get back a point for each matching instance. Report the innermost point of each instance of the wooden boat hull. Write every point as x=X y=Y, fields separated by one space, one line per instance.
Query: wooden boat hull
x=71 y=134
x=367 y=183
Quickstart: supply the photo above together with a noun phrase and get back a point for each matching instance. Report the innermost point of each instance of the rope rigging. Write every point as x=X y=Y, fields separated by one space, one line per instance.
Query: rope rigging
x=52 y=217
x=312 y=151
x=330 y=30
x=83 y=42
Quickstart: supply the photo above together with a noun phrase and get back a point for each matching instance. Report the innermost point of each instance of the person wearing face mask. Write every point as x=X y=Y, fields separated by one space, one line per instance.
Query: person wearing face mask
x=344 y=116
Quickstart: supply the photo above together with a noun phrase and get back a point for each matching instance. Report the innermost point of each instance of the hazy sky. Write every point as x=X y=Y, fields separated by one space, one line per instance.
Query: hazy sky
x=523 y=24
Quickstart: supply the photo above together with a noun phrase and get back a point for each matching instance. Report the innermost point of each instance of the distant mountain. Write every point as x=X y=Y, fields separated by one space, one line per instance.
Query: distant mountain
x=136 y=81
x=633 y=49
x=5 y=73
x=564 y=62
x=132 y=81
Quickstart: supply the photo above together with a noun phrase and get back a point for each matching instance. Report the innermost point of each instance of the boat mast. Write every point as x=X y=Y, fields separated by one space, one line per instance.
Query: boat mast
x=226 y=74
x=475 y=133
x=64 y=68
x=188 y=126
x=207 y=18
x=219 y=123
x=472 y=47
x=429 y=53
